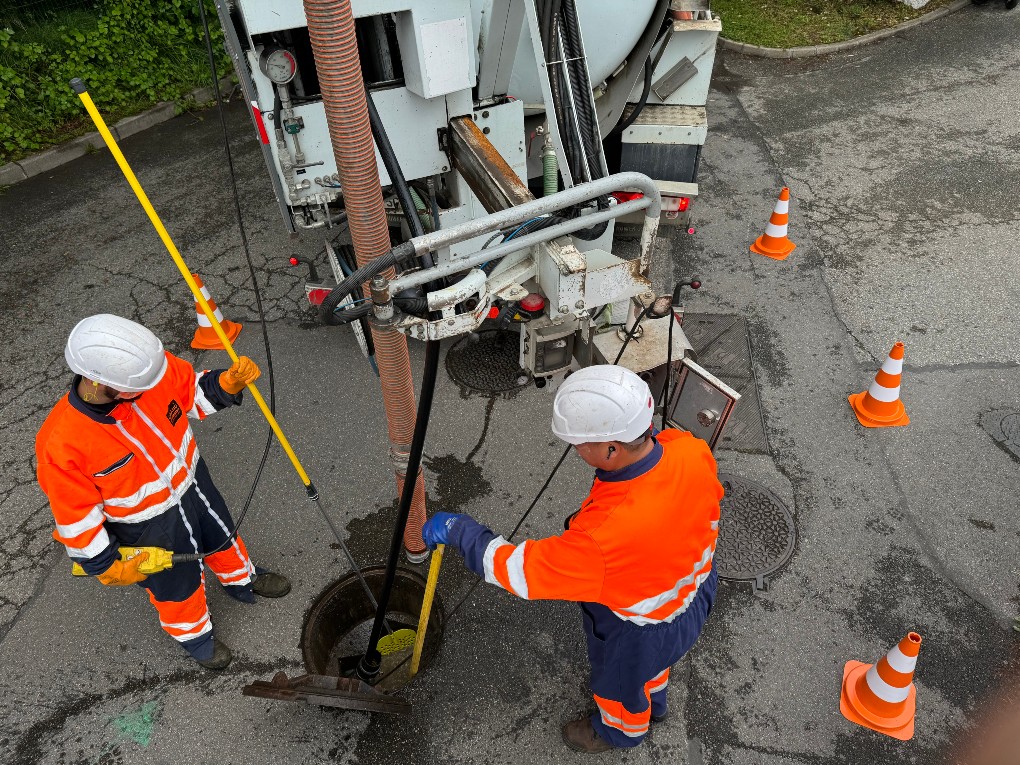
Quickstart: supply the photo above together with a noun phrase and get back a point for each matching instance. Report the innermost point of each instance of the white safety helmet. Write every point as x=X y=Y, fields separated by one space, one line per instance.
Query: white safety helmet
x=117 y=352
x=602 y=403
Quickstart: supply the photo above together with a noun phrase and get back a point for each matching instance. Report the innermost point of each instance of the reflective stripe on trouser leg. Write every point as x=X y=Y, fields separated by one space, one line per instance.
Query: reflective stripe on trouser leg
x=187 y=620
x=232 y=565
x=658 y=692
x=618 y=725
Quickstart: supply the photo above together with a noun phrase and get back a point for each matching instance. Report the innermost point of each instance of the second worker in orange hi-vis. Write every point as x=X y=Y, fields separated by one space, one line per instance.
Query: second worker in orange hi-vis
x=119 y=464
x=637 y=556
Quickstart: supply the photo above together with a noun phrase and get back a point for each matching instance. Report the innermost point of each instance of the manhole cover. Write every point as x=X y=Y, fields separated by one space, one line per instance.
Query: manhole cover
x=756 y=532
x=487 y=362
x=1004 y=426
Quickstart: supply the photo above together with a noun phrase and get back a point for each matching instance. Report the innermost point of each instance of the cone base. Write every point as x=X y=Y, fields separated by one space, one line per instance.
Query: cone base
x=206 y=339
x=777 y=249
x=869 y=420
x=900 y=727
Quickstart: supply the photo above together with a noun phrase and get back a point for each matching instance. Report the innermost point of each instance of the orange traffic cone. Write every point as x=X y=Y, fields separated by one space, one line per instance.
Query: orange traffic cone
x=774 y=243
x=880 y=406
x=205 y=336
x=881 y=696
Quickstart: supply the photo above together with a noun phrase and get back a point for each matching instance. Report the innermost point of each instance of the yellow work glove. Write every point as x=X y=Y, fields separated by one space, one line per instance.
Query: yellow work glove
x=235 y=379
x=124 y=572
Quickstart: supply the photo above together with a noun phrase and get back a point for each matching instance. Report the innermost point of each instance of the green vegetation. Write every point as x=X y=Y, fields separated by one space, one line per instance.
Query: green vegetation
x=131 y=54
x=794 y=23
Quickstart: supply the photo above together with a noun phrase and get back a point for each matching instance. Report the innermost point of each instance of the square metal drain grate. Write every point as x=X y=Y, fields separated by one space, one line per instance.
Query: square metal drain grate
x=721 y=342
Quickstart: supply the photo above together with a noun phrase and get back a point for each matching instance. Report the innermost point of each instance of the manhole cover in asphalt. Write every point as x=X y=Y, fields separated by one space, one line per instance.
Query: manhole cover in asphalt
x=487 y=362
x=1004 y=426
x=756 y=532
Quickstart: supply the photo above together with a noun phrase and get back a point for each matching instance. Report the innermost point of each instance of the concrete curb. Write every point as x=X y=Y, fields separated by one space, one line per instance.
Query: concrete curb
x=824 y=50
x=44 y=161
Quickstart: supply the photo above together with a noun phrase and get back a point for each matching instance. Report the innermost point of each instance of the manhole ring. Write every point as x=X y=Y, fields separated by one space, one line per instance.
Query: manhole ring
x=756 y=531
x=1003 y=425
x=487 y=362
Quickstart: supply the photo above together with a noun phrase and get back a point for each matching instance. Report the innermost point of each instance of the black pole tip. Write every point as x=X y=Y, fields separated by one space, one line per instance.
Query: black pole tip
x=78 y=85
x=311 y=491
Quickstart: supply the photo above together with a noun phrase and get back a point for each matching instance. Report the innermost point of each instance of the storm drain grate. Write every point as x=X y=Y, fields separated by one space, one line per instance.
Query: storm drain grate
x=486 y=362
x=1004 y=426
x=756 y=532
x=720 y=342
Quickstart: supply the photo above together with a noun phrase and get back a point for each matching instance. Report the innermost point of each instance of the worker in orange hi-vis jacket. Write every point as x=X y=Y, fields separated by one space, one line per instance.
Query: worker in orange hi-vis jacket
x=118 y=462
x=637 y=556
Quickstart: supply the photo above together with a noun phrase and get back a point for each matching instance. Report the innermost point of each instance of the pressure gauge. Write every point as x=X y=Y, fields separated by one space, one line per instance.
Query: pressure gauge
x=278 y=64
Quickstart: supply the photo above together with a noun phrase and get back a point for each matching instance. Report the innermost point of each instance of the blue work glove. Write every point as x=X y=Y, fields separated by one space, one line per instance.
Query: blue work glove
x=436 y=530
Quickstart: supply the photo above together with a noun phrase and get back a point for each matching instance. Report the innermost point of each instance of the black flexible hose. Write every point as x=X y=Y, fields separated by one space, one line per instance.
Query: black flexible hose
x=639 y=107
x=328 y=313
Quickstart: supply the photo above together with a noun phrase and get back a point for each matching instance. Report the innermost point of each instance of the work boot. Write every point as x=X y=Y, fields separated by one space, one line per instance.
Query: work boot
x=660 y=718
x=270 y=585
x=580 y=736
x=221 y=657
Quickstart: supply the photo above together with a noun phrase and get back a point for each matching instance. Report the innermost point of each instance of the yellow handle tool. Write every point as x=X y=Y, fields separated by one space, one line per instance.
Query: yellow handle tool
x=111 y=144
x=158 y=560
x=426 y=608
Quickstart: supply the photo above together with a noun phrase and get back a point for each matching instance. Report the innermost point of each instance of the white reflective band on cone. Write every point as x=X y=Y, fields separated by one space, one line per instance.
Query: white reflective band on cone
x=777 y=232
x=883 y=690
x=783 y=206
x=893 y=366
x=882 y=393
x=900 y=661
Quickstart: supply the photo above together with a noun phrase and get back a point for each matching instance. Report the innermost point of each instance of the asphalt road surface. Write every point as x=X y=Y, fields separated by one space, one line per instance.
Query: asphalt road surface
x=903 y=160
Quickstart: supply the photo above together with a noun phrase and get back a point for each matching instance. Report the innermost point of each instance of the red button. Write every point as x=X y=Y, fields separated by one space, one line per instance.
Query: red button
x=533 y=303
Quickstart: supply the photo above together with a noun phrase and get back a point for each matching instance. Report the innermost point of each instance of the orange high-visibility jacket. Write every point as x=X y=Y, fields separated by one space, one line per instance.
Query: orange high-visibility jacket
x=640 y=545
x=129 y=466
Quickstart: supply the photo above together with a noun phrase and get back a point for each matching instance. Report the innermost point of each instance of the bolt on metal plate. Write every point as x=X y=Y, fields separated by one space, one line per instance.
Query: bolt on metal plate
x=757 y=532
x=487 y=362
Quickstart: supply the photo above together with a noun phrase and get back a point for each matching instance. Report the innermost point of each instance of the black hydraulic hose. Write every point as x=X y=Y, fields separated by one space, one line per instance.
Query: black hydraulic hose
x=389 y=158
x=328 y=310
x=369 y=665
x=639 y=107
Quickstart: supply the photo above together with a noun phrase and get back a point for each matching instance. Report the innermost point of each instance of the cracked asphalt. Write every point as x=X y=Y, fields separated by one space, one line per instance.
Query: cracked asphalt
x=903 y=161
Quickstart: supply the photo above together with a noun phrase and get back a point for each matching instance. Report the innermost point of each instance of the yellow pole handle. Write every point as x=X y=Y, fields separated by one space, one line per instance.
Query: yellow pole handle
x=426 y=608
x=111 y=144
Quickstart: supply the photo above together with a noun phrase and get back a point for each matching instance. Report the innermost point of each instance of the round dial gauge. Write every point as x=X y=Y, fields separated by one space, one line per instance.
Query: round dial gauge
x=278 y=64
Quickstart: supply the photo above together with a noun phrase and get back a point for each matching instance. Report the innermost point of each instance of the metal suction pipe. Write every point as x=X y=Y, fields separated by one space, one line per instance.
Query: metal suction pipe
x=334 y=44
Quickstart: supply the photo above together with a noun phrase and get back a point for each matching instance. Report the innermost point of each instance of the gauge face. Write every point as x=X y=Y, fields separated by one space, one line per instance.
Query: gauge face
x=278 y=64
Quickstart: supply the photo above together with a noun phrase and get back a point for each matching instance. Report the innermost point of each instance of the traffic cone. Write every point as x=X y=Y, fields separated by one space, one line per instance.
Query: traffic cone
x=205 y=336
x=881 y=696
x=774 y=243
x=880 y=406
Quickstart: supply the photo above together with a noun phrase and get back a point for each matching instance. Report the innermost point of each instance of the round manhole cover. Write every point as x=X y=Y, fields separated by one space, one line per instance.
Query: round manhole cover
x=756 y=531
x=487 y=362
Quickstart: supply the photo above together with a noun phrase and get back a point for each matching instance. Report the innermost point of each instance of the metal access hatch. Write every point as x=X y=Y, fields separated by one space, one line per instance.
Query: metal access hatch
x=701 y=403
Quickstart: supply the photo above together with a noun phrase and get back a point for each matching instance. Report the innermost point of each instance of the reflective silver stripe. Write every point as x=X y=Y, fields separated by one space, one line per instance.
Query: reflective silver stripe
x=634 y=731
x=883 y=690
x=900 y=662
x=783 y=206
x=884 y=394
x=643 y=620
x=715 y=525
x=94 y=518
x=778 y=232
x=185 y=625
x=656 y=602
x=658 y=686
x=202 y=403
x=515 y=571
x=160 y=507
x=233 y=541
x=99 y=543
x=489 y=558
x=184 y=637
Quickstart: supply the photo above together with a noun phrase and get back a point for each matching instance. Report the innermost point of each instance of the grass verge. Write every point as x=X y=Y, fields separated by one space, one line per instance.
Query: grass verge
x=796 y=23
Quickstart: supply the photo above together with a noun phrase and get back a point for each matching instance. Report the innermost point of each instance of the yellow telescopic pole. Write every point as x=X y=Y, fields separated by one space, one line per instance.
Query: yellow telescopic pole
x=426 y=608
x=111 y=144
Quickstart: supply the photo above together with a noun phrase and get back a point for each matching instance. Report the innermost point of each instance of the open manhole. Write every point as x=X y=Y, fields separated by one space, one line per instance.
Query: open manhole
x=339 y=625
x=756 y=532
x=486 y=362
x=1004 y=426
